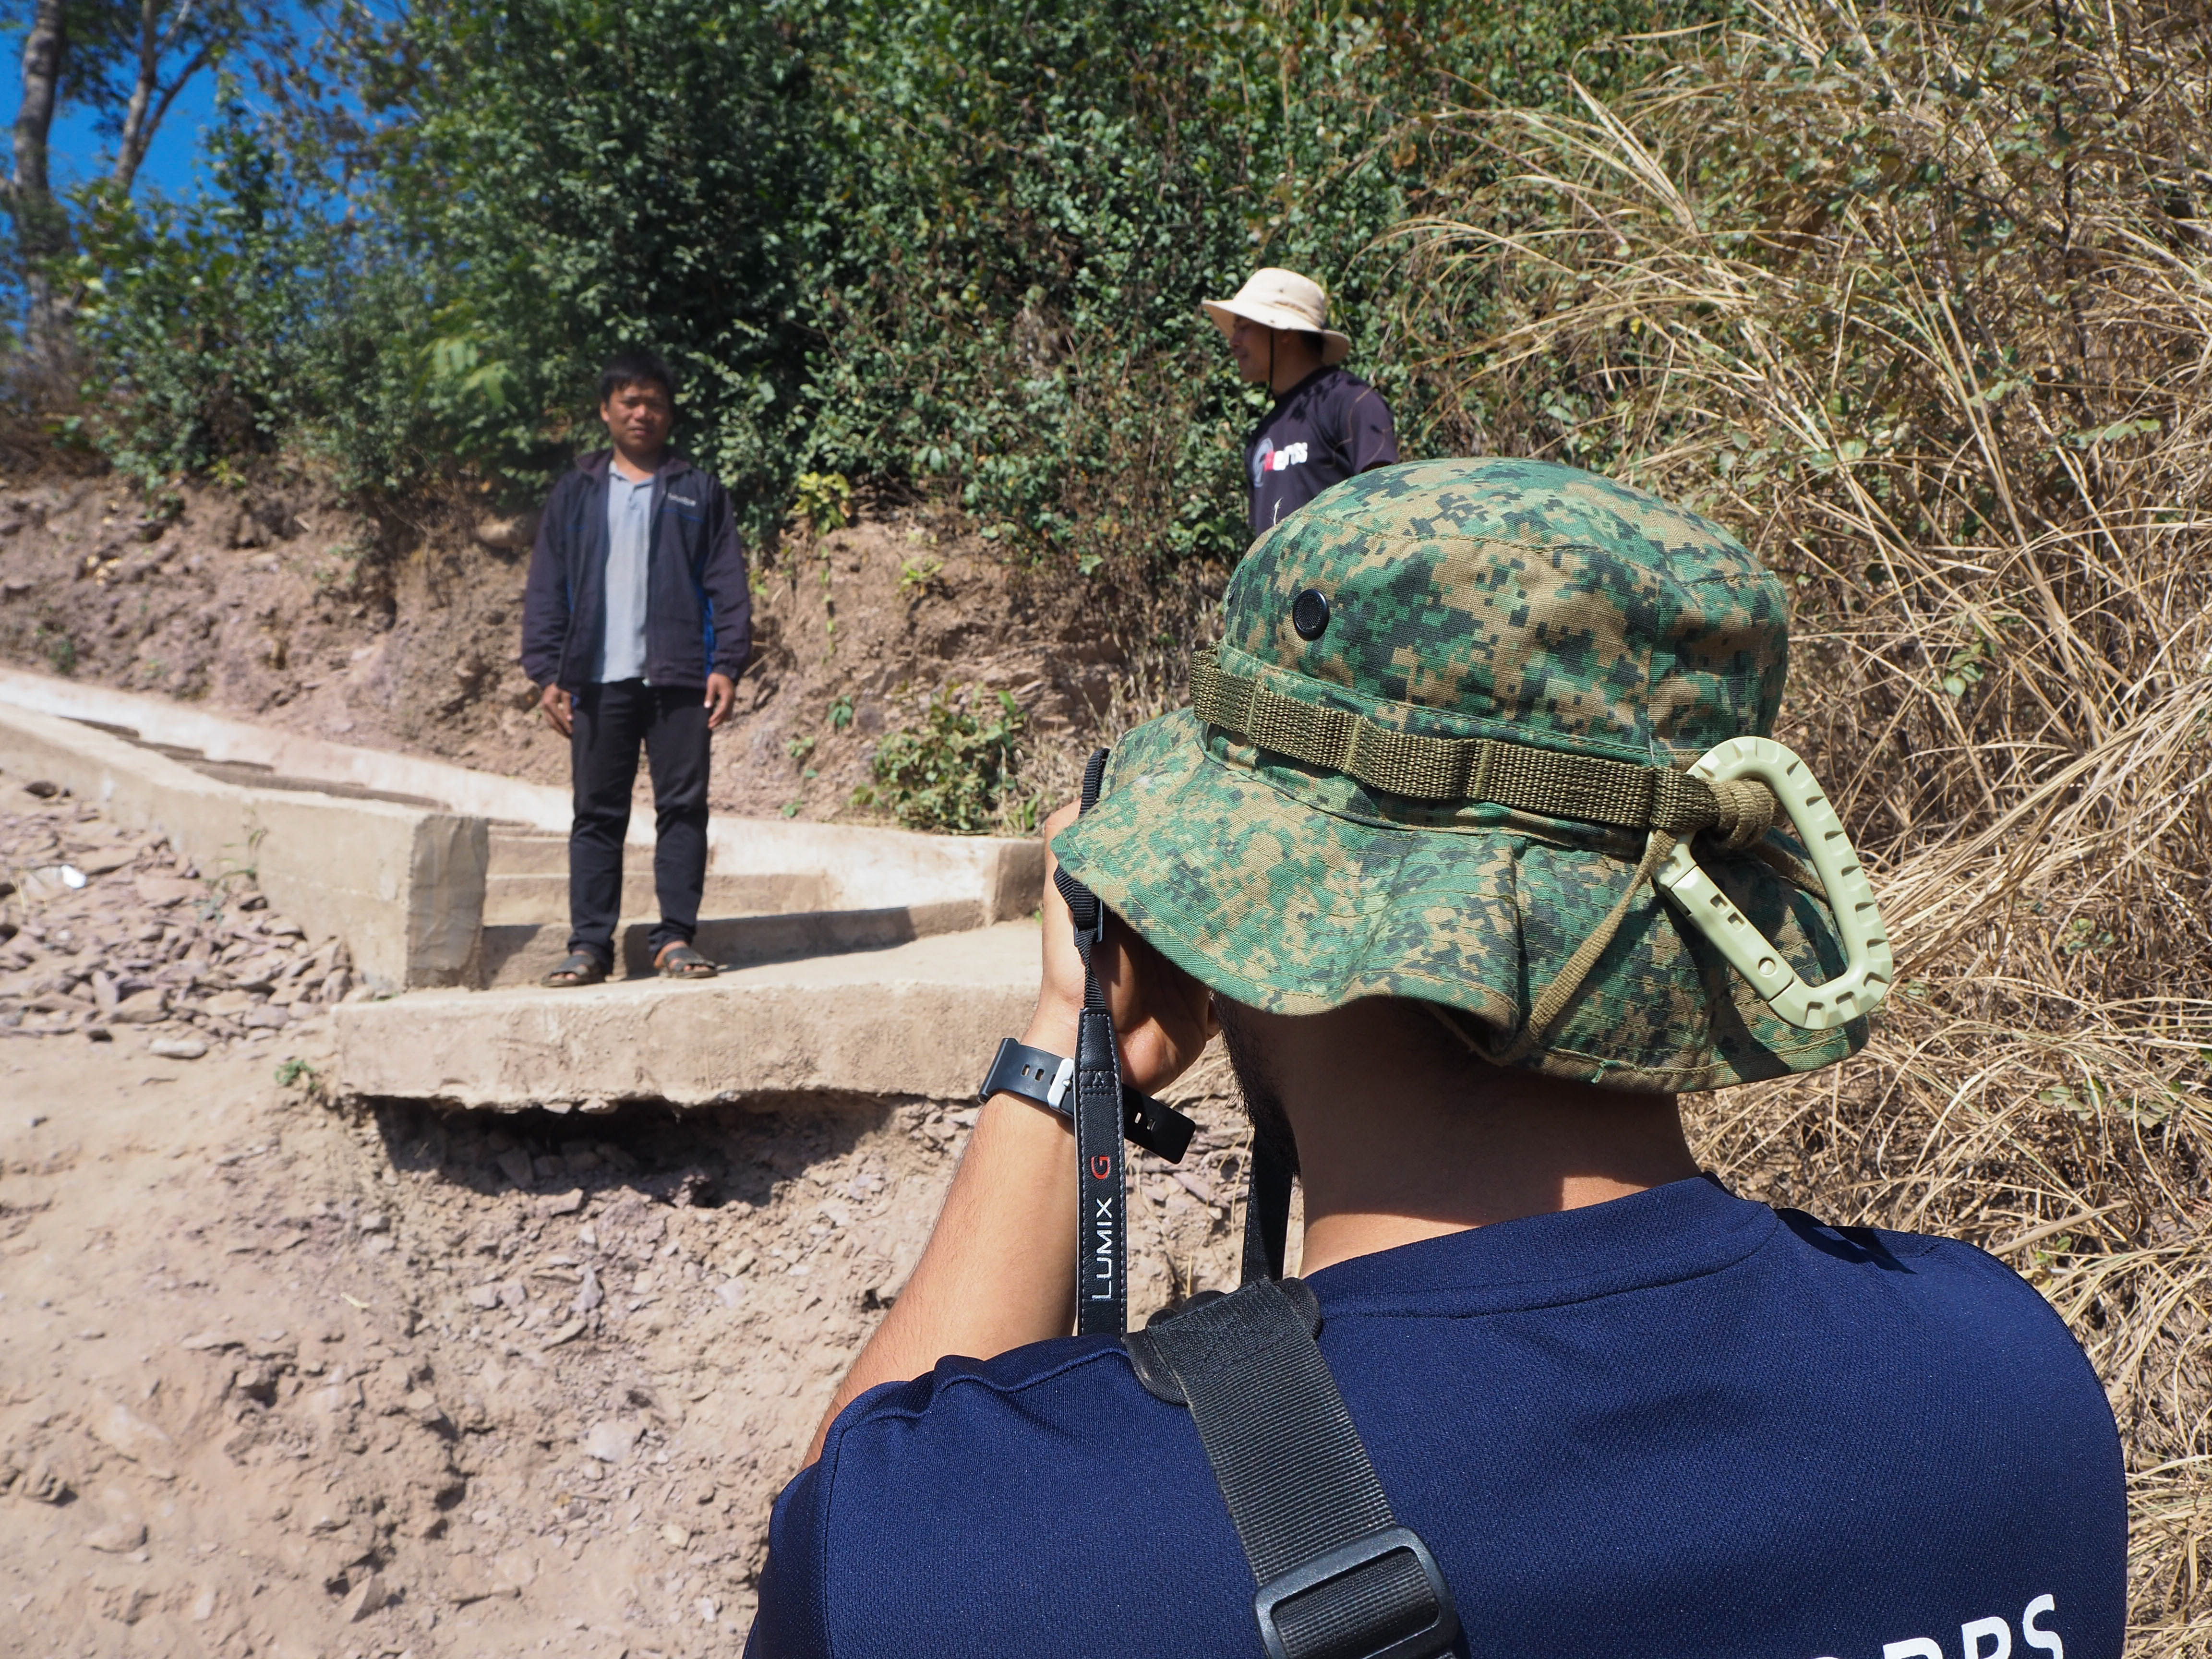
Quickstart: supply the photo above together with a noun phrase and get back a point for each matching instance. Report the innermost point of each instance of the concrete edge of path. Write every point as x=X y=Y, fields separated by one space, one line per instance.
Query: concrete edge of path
x=402 y=886
x=920 y=1019
x=873 y=868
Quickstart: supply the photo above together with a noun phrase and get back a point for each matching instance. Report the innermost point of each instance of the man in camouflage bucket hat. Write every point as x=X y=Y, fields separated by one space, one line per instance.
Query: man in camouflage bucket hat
x=1406 y=849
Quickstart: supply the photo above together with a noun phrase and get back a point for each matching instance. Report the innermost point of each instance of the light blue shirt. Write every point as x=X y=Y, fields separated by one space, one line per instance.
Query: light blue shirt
x=629 y=535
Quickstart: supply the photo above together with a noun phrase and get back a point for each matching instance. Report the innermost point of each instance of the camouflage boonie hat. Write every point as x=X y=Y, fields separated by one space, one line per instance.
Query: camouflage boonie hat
x=1603 y=640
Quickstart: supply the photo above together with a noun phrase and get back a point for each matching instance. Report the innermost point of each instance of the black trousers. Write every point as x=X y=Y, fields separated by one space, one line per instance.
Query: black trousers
x=610 y=722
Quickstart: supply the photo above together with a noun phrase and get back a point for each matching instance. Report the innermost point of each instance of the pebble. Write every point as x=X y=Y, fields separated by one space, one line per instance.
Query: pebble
x=116 y=1537
x=176 y=1047
x=365 y=1598
x=609 y=1440
x=589 y=1294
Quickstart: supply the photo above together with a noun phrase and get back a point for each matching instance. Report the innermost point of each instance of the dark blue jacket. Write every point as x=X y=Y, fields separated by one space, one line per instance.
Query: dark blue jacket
x=699 y=607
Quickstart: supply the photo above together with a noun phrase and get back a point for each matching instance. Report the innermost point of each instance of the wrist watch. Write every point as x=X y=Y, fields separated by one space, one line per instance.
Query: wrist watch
x=1046 y=1080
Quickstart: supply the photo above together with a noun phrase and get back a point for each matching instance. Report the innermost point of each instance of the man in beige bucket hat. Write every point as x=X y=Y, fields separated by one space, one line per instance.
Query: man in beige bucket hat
x=1328 y=424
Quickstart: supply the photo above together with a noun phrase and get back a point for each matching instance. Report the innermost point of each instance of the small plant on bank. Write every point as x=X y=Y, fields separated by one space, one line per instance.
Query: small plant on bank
x=947 y=773
x=56 y=646
x=823 y=502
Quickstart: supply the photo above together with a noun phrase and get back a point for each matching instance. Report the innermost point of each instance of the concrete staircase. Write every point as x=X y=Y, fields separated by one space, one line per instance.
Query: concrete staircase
x=745 y=917
x=862 y=961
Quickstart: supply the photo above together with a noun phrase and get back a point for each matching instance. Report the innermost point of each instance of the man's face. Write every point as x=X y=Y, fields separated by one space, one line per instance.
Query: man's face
x=639 y=416
x=1253 y=346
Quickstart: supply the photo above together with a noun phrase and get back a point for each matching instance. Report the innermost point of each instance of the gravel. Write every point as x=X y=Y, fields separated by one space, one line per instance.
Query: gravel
x=102 y=926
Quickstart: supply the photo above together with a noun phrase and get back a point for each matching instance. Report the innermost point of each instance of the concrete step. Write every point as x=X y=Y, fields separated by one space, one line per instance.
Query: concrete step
x=254 y=775
x=516 y=851
x=528 y=900
x=919 y=1020
x=524 y=953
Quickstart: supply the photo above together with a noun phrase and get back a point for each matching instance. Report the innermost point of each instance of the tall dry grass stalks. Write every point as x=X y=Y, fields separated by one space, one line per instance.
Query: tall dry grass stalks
x=1918 y=299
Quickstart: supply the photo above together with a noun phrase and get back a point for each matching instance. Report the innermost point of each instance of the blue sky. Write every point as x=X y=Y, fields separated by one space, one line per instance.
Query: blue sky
x=79 y=153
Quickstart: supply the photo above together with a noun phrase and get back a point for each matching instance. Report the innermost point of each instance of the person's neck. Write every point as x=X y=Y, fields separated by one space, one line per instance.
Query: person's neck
x=638 y=466
x=1401 y=1137
x=1292 y=371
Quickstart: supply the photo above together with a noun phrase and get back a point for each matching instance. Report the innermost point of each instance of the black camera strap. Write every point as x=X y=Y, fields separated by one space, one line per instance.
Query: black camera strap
x=1267 y=1206
x=1339 y=1577
x=1101 y=1290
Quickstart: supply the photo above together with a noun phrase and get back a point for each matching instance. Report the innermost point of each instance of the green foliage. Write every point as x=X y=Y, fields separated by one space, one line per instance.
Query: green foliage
x=948 y=772
x=188 y=318
x=823 y=500
x=948 y=245
x=57 y=646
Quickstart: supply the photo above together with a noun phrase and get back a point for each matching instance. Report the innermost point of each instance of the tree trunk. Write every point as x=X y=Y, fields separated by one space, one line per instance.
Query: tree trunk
x=41 y=227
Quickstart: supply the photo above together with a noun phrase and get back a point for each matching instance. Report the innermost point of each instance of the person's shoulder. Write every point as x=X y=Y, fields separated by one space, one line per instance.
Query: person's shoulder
x=964 y=1397
x=1053 y=1452
x=1930 y=1280
x=694 y=479
x=1345 y=395
x=935 y=1443
x=580 y=473
x=1340 y=384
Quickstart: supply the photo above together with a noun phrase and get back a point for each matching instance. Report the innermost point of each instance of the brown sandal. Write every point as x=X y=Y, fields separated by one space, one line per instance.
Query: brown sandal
x=679 y=961
x=581 y=967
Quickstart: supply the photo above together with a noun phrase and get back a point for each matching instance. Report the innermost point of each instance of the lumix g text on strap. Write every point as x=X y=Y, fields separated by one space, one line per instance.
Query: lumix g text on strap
x=1101 y=1290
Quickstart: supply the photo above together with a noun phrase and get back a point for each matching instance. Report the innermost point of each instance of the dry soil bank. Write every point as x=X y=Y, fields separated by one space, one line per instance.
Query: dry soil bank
x=281 y=602
x=282 y=1379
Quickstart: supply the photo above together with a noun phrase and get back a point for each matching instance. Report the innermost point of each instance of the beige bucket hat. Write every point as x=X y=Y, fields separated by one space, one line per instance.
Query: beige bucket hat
x=1282 y=299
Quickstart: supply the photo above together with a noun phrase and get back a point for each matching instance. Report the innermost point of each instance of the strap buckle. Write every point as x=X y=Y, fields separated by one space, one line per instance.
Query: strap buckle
x=1315 y=1631
x=1859 y=989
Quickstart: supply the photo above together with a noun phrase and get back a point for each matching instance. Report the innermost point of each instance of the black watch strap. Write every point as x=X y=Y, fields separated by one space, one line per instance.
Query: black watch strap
x=1037 y=1075
x=1046 y=1080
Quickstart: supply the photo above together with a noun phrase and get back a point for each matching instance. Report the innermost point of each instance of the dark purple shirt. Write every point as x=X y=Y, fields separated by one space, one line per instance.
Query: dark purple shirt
x=1329 y=427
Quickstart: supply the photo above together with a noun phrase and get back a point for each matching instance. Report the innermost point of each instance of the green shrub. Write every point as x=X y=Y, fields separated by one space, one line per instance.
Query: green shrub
x=949 y=772
x=948 y=245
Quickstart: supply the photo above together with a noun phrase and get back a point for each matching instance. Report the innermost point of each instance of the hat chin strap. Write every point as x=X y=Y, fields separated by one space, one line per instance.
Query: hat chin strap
x=1743 y=812
x=1658 y=846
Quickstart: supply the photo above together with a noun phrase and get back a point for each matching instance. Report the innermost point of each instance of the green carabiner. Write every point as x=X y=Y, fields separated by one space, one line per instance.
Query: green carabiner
x=1859 y=989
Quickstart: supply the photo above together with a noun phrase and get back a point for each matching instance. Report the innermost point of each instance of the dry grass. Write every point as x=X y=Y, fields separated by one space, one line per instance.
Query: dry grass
x=1920 y=302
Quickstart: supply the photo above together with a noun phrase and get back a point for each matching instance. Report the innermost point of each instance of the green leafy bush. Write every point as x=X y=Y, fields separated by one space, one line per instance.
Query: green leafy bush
x=950 y=246
x=949 y=772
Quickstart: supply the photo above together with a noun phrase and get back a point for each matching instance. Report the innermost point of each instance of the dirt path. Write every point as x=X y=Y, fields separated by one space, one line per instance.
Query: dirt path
x=280 y=1378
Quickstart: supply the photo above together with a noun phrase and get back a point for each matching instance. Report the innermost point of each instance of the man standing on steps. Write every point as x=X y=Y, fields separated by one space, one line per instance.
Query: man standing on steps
x=1328 y=424
x=636 y=623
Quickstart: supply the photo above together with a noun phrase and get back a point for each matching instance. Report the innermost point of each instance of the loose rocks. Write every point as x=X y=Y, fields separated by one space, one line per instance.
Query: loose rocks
x=104 y=928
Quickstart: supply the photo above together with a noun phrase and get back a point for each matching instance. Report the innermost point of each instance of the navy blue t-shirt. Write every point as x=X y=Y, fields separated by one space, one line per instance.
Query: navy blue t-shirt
x=1329 y=427
x=1679 y=1425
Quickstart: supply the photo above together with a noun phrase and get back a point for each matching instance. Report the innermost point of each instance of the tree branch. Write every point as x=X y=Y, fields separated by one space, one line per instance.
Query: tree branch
x=135 y=143
x=175 y=33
